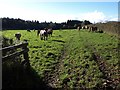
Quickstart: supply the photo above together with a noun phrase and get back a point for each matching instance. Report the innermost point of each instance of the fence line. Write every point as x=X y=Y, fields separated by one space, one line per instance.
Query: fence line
x=24 y=51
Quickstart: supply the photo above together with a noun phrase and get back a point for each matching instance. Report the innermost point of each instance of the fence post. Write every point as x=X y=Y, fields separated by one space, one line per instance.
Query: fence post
x=25 y=55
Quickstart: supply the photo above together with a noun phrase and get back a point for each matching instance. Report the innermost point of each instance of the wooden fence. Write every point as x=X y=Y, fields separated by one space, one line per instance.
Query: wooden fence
x=23 y=50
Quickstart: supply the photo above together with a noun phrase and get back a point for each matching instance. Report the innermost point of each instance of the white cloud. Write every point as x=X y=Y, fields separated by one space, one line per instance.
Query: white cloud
x=113 y=19
x=94 y=16
x=14 y=11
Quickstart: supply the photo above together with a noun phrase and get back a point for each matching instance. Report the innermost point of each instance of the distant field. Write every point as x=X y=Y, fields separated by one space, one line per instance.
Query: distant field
x=74 y=59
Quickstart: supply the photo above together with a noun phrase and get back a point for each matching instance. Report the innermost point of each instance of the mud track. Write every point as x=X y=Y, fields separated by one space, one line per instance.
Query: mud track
x=52 y=78
x=104 y=68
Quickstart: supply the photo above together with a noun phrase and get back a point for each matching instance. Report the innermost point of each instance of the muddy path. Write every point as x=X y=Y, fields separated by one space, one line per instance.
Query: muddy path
x=107 y=71
x=52 y=78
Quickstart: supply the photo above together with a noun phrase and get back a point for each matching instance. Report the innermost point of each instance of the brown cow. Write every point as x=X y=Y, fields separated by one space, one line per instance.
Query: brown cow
x=93 y=29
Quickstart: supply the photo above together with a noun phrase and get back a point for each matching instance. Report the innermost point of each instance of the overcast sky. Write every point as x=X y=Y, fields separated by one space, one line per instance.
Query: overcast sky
x=60 y=11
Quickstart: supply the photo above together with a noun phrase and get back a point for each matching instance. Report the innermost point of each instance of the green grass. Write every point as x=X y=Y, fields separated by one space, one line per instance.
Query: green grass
x=78 y=67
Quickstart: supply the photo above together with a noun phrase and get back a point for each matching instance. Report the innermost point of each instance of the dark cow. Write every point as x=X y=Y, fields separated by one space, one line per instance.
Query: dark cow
x=38 y=32
x=28 y=30
x=93 y=29
x=18 y=35
x=49 y=31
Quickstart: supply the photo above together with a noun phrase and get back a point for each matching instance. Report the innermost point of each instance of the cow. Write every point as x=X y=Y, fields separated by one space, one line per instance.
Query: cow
x=49 y=32
x=100 y=31
x=18 y=35
x=28 y=30
x=78 y=28
x=93 y=29
x=83 y=27
x=43 y=34
x=38 y=32
x=86 y=27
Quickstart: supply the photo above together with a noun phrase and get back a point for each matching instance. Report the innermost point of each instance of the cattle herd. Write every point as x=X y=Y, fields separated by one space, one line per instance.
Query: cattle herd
x=44 y=34
x=47 y=32
x=90 y=28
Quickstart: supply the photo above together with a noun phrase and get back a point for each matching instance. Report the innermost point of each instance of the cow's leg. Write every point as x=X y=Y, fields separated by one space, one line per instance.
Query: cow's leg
x=44 y=37
x=47 y=37
x=41 y=37
x=51 y=34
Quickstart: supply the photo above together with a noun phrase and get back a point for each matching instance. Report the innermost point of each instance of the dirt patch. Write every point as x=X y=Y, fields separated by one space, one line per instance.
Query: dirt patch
x=52 y=78
x=104 y=68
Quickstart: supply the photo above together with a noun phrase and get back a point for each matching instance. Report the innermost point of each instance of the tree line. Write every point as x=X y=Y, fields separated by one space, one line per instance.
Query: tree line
x=20 y=24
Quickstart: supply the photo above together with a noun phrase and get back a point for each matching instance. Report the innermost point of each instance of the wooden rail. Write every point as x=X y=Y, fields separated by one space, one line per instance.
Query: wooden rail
x=24 y=50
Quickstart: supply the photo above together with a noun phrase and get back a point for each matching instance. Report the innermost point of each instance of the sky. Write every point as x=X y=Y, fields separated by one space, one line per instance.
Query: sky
x=60 y=11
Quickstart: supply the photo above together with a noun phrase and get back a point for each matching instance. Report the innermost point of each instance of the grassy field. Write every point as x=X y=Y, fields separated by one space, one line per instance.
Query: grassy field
x=73 y=59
